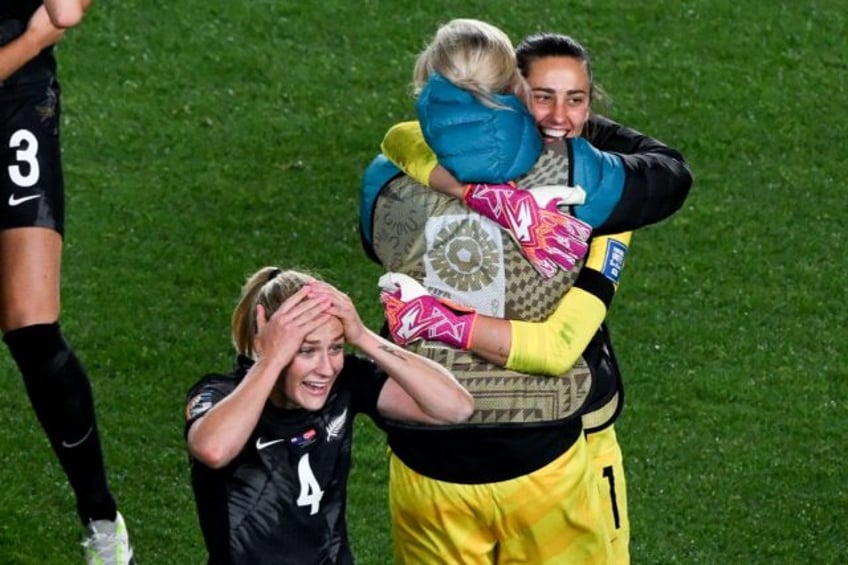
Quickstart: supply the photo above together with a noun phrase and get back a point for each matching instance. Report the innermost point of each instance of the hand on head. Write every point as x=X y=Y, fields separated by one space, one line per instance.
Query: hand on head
x=341 y=306
x=284 y=331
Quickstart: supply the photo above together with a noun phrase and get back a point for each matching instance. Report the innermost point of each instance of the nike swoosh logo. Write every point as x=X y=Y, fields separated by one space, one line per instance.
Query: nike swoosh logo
x=13 y=201
x=67 y=445
x=262 y=445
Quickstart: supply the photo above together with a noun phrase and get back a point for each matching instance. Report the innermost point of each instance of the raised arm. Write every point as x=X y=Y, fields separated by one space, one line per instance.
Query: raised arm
x=631 y=180
x=657 y=178
x=220 y=434
x=418 y=389
x=598 y=176
x=549 y=239
x=550 y=347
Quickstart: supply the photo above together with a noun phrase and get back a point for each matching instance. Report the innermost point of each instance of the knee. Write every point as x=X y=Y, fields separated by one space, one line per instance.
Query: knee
x=38 y=347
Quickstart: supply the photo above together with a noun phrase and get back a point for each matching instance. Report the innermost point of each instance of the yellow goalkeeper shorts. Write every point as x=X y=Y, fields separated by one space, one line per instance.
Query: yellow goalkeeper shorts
x=606 y=460
x=551 y=516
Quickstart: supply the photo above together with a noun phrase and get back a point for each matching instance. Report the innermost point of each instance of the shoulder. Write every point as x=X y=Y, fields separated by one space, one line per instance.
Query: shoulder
x=205 y=393
x=224 y=382
x=611 y=136
x=474 y=141
x=213 y=387
x=213 y=381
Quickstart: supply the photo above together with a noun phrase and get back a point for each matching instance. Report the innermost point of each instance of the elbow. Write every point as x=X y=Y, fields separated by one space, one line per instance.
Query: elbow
x=555 y=368
x=66 y=19
x=688 y=179
x=461 y=411
x=682 y=182
x=214 y=459
x=211 y=454
x=465 y=409
x=69 y=14
x=553 y=364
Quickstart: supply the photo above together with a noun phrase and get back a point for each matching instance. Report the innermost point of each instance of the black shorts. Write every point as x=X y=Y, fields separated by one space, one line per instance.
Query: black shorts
x=32 y=188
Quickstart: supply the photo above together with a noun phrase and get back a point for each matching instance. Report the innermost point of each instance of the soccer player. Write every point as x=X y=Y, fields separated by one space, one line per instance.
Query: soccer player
x=32 y=222
x=655 y=183
x=515 y=482
x=270 y=442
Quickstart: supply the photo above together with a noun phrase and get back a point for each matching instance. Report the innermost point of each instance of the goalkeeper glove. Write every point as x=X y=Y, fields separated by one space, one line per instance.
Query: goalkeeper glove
x=548 y=238
x=412 y=313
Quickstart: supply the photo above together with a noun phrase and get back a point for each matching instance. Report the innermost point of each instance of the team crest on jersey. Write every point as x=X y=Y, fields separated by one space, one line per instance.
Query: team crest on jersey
x=614 y=260
x=199 y=405
x=336 y=426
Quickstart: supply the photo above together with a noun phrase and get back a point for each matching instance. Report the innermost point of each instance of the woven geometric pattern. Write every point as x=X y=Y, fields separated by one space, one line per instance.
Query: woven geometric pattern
x=527 y=297
x=401 y=214
x=502 y=396
x=456 y=253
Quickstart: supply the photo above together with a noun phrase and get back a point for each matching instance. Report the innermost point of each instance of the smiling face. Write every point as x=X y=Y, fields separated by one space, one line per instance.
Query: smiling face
x=560 y=96
x=307 y=381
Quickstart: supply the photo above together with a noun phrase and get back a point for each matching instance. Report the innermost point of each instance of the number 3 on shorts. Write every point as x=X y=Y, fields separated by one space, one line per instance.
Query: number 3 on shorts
x=26 y=145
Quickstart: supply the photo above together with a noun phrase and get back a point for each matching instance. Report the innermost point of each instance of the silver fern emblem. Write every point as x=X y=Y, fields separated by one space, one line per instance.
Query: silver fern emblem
x=336 y=425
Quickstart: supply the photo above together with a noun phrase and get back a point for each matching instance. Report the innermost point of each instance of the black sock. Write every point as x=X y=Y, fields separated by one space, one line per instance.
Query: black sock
x=60 y=394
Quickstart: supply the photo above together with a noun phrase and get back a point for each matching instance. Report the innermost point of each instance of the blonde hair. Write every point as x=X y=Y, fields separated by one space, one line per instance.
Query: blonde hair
x=268 y=287
x=473 y=55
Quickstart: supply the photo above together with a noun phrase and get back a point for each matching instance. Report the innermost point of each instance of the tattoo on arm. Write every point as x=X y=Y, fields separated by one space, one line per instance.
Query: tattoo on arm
x=394 y=351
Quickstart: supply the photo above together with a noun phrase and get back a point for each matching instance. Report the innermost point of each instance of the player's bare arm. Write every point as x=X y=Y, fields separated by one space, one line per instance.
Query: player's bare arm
x=40 y=34
x=418 y=389
x=66 y=13
x=219 y=435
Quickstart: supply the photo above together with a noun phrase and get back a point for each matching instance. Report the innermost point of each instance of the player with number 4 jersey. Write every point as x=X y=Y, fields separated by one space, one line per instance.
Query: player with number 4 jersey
x=270 y=443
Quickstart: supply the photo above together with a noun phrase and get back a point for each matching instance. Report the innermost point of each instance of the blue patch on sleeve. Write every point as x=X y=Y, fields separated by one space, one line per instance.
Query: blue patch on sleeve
x=614 y=260
x=601 y=175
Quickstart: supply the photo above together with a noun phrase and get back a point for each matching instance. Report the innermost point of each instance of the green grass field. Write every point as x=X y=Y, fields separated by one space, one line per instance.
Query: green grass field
x=204 y=139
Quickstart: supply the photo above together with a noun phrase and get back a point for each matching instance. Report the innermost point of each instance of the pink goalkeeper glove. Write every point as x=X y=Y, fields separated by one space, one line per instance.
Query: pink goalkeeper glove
x=548 y=238
x=412 y=313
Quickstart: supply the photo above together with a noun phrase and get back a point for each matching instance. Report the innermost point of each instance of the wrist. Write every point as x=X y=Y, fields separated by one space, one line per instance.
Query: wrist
x=467 y=336
x=459 y=330
x=36 y=40
x=364 y=340
x=274 y=363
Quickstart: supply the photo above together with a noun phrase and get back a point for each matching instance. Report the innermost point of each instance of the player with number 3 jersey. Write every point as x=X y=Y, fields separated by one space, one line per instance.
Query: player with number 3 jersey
x=32 y=222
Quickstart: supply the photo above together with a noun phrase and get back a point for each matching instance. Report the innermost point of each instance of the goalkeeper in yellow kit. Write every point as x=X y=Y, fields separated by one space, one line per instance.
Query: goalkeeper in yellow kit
x=658 y=174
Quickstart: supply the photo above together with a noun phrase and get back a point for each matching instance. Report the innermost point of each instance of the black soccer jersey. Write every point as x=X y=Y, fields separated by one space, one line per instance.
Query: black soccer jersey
x=282 y=500
x=657 y=179
x=14 y=17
